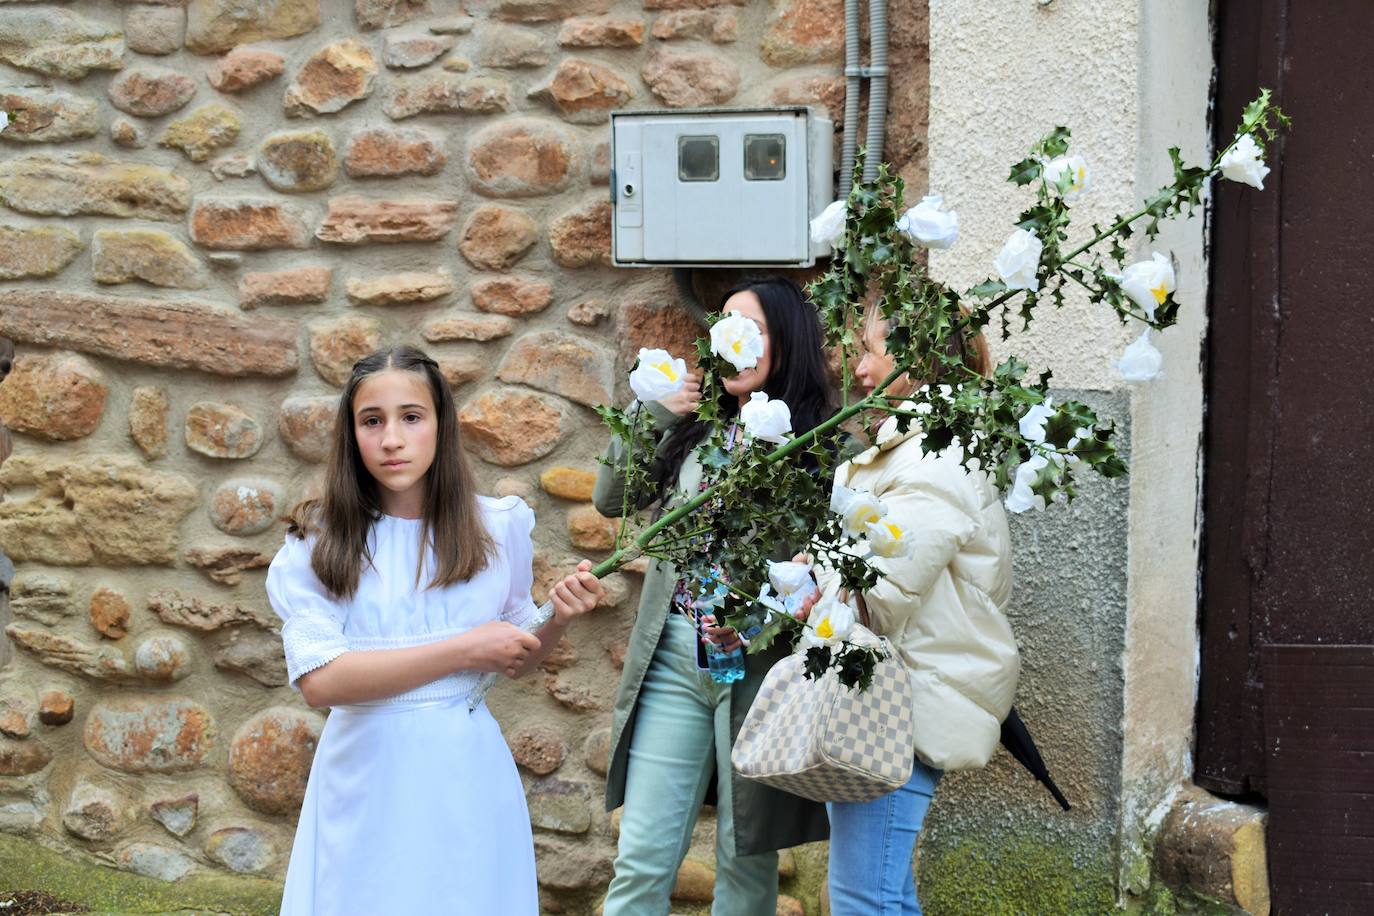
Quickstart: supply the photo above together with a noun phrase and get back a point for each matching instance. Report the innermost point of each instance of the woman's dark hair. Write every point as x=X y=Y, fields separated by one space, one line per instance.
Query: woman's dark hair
x=798 y=375
x=452 y=520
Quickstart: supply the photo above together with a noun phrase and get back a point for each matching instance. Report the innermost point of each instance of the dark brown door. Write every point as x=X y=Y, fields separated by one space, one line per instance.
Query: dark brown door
x=1288 y=577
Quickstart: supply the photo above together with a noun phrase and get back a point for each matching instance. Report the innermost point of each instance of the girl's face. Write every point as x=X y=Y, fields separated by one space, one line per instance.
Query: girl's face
x=876 y=363
x=395 y=424
x=747 y=381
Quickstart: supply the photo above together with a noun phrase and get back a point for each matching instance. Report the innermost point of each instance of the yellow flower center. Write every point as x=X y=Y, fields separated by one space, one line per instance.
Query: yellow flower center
x=1082 y=174
x=824 y=630
x=667 y=370
x=737 y=346
x=871 y=517
x=1160 y=293
x=893 y=530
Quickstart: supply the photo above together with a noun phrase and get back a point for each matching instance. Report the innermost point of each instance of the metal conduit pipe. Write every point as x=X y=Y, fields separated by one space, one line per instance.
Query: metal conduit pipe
x=877 y=88
x=852 y=74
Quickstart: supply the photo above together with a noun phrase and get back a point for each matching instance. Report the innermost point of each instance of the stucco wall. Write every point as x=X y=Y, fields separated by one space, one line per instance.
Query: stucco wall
x=996 y=843
x=1130 y=80
x=1162 y=642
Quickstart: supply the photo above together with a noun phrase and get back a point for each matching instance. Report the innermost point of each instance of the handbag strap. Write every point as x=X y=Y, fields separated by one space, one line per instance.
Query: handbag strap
x=863 y=611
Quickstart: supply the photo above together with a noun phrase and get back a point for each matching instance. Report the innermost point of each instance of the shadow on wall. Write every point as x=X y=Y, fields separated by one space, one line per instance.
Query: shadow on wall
x=6 y=567
x=6 y=363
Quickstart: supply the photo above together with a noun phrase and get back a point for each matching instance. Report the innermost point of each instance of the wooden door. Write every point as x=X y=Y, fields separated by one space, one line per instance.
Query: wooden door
x=1286 y=700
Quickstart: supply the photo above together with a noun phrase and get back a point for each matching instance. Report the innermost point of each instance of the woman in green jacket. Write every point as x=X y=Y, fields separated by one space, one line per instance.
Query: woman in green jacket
x=674 y=726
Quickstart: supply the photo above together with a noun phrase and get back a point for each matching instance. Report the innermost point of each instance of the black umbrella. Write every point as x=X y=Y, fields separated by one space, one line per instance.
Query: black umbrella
x=1017 y=739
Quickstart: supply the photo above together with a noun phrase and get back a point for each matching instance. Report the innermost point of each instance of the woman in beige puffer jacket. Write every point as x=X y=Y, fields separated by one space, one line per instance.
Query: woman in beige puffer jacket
x=942 y=606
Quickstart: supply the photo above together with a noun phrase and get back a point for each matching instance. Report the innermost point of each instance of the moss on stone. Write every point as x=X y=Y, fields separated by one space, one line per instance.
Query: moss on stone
x=972 y=878
x=1159 y=900
x=24 y=865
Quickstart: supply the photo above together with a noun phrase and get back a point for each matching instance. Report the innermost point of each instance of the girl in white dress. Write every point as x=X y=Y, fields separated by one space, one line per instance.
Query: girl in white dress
x=398 y=589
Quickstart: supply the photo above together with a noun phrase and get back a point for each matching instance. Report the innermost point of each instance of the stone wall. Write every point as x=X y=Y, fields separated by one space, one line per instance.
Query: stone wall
x=210 y=209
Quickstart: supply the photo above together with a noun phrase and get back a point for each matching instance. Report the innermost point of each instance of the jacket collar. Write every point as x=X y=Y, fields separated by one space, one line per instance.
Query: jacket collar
x=888 y=437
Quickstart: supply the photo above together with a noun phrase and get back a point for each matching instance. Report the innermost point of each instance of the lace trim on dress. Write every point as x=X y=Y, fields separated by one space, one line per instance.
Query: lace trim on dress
x=310 y=642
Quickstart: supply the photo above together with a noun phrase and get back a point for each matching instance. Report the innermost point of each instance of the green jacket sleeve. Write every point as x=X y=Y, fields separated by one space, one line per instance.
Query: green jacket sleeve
x=609 y=494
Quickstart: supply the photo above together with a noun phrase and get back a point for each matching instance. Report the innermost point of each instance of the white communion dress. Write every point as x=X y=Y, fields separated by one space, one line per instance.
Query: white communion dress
x=414 y=805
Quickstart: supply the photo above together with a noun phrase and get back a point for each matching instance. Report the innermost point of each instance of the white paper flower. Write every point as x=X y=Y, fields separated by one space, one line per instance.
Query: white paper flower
x=831 y=622
x=828 y=227
x=857 y=509
x=737 y=340
x=1149 y=283
x=1244 y=162
x=1022 y=497
x=927 y=225
x=657 y=375
x=1033 y=423
x=1019 y=260
x=792 y=580
x=1076 y=167
x=888 y=539
x=770 y=420
x=1140 y=362
x=770 y=601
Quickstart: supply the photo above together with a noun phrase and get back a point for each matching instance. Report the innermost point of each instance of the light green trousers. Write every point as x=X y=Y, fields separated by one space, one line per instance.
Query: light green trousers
x=681 y=739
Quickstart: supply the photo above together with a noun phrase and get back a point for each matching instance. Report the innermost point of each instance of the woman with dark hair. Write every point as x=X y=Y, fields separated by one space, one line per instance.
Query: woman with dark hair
x=674 y=726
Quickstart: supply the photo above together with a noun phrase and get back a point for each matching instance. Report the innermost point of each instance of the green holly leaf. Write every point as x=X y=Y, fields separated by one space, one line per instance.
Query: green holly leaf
x=937 y=439
x=1010 y=369
x=1254 y=112
x=714 y=459
x=854 y=667
x=765 y=637
x=988 y=289
x=1111 y=466
x=1025 y=171
x=817 y=662
x=1055 y=143
x=1038 y=219
x=1095 y=449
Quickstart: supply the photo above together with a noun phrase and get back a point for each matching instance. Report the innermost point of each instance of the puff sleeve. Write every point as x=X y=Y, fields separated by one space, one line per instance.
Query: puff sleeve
x=312 y=629
x=518 y=545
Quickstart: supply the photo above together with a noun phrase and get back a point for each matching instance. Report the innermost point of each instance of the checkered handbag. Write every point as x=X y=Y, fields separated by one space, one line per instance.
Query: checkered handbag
x=827 y=742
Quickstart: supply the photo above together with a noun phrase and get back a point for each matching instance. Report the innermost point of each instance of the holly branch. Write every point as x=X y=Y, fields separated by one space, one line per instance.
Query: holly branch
x=765 y=499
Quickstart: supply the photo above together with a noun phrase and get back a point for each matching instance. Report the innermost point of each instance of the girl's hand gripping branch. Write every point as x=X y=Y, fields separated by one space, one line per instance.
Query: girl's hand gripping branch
x=576 y=594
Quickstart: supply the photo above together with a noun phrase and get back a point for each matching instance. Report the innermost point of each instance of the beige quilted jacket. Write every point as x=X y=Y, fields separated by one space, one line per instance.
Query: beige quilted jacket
x=942 y=606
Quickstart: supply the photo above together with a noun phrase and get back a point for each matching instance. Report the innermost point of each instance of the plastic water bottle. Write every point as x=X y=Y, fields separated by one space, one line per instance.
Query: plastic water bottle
x=725 y=667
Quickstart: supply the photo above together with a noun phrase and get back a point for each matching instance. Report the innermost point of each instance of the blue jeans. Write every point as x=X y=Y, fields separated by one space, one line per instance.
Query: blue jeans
x=871 y=846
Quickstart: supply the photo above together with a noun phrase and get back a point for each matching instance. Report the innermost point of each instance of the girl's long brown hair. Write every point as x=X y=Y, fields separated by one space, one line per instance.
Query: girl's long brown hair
x=452 y=520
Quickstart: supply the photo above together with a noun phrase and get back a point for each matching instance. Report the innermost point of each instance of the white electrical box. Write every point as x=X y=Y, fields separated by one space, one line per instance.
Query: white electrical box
x=719 y=187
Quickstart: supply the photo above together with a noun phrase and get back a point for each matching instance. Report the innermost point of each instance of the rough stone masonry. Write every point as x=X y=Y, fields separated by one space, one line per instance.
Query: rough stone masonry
x=208 y=210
